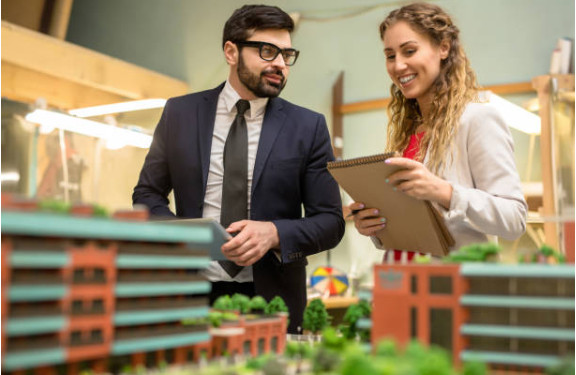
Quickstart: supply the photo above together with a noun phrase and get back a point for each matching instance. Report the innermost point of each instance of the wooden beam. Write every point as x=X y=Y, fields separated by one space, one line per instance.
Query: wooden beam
x=366 y=105
x=60 y=18
x=511 y=88
x=25 y=85
x=26 y=51
x=542 y=85
x=376 y=104
x=337 y=120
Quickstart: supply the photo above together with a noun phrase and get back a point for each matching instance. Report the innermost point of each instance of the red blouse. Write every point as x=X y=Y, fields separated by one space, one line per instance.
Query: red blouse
x=410 y=152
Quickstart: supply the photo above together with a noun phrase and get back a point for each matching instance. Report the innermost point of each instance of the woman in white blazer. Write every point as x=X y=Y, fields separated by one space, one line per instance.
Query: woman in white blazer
x=457 y=150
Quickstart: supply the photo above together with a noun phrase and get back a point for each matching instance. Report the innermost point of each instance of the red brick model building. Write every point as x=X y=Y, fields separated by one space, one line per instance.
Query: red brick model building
x=97 y=293
x=517 y=317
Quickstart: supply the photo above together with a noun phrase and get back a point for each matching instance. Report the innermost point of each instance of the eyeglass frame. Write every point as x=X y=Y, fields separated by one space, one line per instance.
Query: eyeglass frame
x=259 y=45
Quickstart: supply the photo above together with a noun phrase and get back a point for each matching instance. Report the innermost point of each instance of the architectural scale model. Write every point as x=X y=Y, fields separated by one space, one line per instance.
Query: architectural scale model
x=516 y=317
x=101 y=294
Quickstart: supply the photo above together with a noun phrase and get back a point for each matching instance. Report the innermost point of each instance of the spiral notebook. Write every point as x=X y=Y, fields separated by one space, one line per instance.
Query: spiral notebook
x=412 y=224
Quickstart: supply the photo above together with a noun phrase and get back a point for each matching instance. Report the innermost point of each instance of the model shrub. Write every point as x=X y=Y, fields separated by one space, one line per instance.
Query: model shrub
x=258 y=304
x=276 y=305
x=353 y=314
x=241 y=303
x=315 y=316
x=223 y=303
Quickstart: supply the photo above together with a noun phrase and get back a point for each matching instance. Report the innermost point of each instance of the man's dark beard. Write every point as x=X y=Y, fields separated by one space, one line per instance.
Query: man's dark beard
x=258 y=84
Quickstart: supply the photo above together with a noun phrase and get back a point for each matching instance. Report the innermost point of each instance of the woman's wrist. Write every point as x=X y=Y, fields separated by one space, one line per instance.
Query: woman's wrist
x=445 y=194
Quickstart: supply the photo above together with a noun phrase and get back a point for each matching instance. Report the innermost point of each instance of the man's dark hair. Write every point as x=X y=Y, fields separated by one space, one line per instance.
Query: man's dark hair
x=244 y=21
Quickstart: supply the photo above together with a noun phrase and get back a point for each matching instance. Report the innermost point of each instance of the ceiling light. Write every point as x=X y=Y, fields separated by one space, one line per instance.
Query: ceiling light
x=514 y=115
x=135 y=105
x=113 y=134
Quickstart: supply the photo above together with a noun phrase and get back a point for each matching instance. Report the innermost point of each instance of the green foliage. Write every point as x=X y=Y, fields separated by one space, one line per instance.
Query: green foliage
x=241 y=303
x=422 y=259
x=226 y=315
x=325 y=360
x=296 y=349
x=478 y=252
x=215 y=318
x=258 y=304
x=331 y=340
x=196 y=321
x=223 y=303
x=276 y=305
x=545 y=254
x=316 y=317
x=474 y=368
x=357 y=362
x=547 y=250
x=54 y=206
x=550 y=255
x=415 y=350
x=162 y=365
x=435 y=362
x=274 y=366
x=353 y=314
x=386 y=348
x=256 y=363
x=336 y=355
x=566 y=367
x=100 y=211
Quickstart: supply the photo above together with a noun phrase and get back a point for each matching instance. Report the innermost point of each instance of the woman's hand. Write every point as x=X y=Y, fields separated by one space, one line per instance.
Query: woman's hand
x=367 y=220
x=417 y=181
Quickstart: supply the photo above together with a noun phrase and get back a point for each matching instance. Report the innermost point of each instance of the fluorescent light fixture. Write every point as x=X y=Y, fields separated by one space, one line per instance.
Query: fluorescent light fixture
x=112 y=134
x=515 y=116
x=10 y=176
x=135 y=105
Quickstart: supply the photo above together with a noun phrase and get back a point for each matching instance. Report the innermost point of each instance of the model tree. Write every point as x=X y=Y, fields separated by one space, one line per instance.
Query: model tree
x=354 y=313
x=258 y=304
x=432 y=361
x=241 y=302
x=544 y=255
x=276 y=305
x=477 y=252
x=315 y=316
x=475 y=368
x=386 y=349
x=298 y=351
x=223 y=303
x=357 y=362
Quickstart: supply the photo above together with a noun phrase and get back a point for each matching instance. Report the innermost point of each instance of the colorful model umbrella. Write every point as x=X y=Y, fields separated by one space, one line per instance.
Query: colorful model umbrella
x=329 y=279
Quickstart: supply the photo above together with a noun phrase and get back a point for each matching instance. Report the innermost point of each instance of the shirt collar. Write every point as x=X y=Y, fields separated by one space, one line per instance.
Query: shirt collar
x=230 y=96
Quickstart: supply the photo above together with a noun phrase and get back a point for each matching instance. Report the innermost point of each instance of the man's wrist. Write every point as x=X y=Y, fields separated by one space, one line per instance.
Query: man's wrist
x=274 y=238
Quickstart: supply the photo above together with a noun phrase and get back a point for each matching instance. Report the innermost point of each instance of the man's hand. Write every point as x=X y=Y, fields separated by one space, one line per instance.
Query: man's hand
x=418 y=182
x=253 y=240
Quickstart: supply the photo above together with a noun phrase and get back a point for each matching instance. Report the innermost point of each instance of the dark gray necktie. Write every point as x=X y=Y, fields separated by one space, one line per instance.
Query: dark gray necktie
x=235 y=182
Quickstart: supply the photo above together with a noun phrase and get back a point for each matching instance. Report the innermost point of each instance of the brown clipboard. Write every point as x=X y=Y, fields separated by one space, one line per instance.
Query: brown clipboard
x=412 y=224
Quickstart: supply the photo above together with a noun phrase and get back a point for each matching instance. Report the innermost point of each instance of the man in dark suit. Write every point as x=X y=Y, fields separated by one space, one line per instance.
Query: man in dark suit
x=256 y=190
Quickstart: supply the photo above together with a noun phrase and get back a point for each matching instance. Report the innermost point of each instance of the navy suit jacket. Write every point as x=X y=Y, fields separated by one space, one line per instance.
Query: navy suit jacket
x=289 y=172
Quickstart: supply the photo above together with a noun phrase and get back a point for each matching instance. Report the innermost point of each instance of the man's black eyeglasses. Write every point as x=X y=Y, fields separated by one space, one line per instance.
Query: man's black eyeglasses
x=269 y=51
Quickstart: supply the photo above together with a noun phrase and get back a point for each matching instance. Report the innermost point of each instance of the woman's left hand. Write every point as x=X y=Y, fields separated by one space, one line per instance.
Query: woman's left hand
x=417 y=181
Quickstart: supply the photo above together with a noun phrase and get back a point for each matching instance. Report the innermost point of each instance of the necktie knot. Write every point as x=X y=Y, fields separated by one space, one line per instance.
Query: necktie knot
x=242 y=106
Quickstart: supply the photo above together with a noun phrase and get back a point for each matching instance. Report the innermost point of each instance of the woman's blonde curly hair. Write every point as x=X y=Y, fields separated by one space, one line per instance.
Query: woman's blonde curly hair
x=454 y=88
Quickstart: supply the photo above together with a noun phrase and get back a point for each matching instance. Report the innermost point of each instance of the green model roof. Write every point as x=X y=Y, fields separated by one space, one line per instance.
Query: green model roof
x=60 y=225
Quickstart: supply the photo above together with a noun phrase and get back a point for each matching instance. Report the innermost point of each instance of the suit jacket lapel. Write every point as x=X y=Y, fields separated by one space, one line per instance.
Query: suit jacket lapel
x=206 y=118
x=273 y=122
